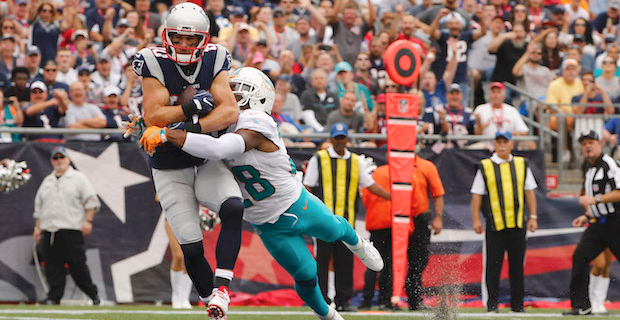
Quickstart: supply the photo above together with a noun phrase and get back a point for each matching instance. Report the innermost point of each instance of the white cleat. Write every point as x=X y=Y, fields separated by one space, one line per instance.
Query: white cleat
x=367 y=252
x=218 y=306
x=331 y=315
x=598 y=308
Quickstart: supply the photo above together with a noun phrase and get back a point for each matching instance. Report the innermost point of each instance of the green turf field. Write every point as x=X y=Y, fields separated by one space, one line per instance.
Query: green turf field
x=145 y=312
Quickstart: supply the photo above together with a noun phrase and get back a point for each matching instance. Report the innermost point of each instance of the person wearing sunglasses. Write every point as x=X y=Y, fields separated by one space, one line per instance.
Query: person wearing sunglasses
x=534 y=76
x=64 y=209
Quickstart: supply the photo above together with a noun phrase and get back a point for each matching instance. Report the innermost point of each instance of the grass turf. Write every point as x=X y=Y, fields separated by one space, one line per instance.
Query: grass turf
x=150 y=312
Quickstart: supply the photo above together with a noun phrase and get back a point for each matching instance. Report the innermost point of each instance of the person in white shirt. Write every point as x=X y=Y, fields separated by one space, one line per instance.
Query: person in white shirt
x=83 y=115
x=65 y=61
x=495 y=115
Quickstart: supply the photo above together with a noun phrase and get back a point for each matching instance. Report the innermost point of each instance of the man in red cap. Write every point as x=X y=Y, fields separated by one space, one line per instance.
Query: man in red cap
x=496 y=115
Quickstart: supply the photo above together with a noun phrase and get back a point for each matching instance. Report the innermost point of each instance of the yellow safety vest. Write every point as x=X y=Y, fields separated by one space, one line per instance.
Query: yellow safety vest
x=504 y=202
x=339 y=188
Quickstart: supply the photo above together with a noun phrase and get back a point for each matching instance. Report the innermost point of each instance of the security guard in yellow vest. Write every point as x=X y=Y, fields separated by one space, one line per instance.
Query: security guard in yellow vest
x=335 y=176
x=503 y=185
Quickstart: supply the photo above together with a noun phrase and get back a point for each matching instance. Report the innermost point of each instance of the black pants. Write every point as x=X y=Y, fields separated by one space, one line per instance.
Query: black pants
x=497 y=243
x=343 y=270
x=60 y=247
x=382 y=239
x=594 y=240
x=417 y=254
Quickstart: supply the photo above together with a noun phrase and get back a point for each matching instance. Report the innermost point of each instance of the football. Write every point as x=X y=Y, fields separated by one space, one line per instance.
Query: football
x=186 y=95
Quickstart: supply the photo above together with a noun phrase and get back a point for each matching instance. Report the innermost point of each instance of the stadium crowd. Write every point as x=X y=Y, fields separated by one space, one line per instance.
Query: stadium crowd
x=69 y=63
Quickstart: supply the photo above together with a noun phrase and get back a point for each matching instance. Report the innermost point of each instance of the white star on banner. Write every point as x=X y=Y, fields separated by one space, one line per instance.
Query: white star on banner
x=107 y=177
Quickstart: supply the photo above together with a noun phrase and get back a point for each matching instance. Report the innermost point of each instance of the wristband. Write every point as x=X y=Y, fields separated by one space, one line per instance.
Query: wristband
x=190 y=126
x=597 y=198
x=89 y=221
x=533 y=217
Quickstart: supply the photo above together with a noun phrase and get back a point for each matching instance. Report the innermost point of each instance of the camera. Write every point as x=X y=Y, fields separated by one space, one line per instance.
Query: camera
x=325 y=47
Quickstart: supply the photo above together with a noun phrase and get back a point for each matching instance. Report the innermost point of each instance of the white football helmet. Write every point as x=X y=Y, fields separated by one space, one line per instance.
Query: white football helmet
x=186 y=19
x=253 y=88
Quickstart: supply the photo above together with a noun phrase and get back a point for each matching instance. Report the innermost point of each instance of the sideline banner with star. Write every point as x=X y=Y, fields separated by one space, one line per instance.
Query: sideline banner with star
x=128 y=253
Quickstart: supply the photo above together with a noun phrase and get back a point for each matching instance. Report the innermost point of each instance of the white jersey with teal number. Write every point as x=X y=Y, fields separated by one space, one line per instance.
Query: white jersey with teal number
x=268 y=180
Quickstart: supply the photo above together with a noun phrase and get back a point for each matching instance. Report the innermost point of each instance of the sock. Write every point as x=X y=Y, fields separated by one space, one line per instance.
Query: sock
x=601 y=291
x=592 y=286
x=175 y=277
x=349 y=236
x=185 y=288
x=198 y=268
x=229 y=240
x=222 y=278
x=310 y=293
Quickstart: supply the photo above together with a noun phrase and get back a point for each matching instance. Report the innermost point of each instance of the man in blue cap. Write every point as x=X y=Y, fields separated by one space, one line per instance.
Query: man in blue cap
x=502 y=187
x=335 y=176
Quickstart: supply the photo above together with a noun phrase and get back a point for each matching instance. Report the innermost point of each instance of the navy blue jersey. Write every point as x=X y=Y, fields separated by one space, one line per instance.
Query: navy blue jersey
x=155 y=63
x=462 y=51
x=48 y=118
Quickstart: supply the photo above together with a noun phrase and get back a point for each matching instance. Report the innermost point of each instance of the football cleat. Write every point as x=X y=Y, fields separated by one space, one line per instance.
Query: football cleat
x=331 y=315
x=218 y=306
x=367 y=252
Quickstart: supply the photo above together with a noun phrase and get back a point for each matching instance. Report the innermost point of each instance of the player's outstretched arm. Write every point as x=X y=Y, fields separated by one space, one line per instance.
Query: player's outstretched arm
x=155 y=104
x=226 y=112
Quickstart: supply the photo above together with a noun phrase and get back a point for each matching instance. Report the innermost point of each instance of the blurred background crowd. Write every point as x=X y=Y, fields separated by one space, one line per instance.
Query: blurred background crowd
x=68 y=63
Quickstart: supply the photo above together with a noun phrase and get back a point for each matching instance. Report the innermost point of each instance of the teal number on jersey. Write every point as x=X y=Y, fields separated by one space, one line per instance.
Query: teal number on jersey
x=293 y=167
x=268 y=188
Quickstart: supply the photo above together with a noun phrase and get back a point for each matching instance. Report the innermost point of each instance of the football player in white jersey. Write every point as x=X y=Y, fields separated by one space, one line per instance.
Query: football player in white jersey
x=276 y=203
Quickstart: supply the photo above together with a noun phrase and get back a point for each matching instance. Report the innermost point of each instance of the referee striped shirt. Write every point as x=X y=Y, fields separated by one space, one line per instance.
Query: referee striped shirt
x=601 y=178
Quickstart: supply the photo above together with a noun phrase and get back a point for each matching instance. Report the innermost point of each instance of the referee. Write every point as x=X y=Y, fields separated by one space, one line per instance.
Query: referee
x=503 y=186
x=601 y=199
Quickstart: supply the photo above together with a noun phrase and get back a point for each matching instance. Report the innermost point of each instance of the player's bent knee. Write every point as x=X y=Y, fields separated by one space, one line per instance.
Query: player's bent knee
x=308 y=283
x=307 y=271
x=187 y=233
x=193 y=250
x=231 y=210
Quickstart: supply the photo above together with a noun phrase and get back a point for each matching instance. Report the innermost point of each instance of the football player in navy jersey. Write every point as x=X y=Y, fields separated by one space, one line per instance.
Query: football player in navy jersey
x=181 y=180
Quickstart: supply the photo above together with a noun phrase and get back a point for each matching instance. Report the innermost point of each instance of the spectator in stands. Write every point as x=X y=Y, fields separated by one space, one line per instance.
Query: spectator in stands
x=286 y=62
x=46 y=28
x=349 y=32
x=608 y=19
x=537 y=13
x=50 y=70
x=19 y=87
x=611 y=134
x=561 y=91
x=344 y=80
x=534 y=77
x=456 y=119
x=83 y=115
x=318 y=102
x=8 y=61
x=292 y=104
x=377 y=66
x=346 y=113
x=65 y=61
x=303 y=29
x=323 y=60
x=422 y=7
x=10 y=116
x=151 y=20
x=263 y=19
x=114 y=113
x=132 y=94
x=496 y=115
x=411 y=32
x=20 y=14
x=103 y=76
x=32 y=62
x=575 y=51
x=102 y=18
x=580 y=29
x=551 y=51
x=240 y=43
x=42 y=112
x=613 y=52
x=518 y=15
x=282 y=33
x=431 y=13
x=608 y=81
x=237 y=16
x=94 y=94
x=220 y=12
x=509 y=48
x=270 y=64
x=575 y=11
x=306 y=56
x=592 y=95
x=83 y=50
x=455 y=26
x=362 y=74
x=484 y=63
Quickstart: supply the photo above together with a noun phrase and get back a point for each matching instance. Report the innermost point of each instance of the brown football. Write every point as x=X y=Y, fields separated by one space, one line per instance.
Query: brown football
x=186 y=95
